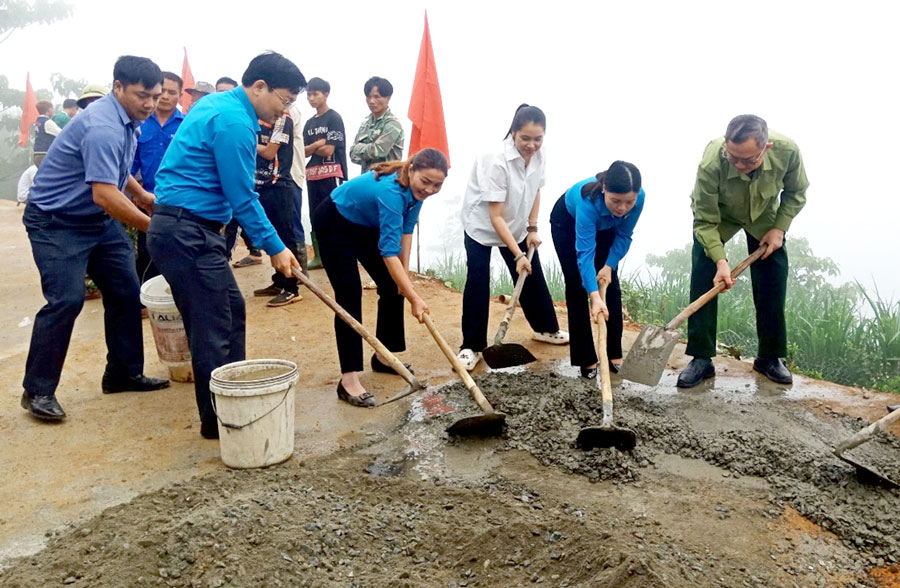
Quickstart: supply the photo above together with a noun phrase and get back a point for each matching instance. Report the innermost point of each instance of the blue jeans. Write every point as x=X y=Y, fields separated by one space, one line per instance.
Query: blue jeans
x=192 y=258
x=66 y=247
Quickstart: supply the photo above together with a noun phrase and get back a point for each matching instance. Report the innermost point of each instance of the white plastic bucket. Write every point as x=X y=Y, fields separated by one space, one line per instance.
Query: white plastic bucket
x=168 y=329
x=255 y=409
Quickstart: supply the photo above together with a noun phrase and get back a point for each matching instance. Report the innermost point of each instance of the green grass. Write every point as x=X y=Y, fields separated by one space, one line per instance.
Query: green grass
x=842 y=333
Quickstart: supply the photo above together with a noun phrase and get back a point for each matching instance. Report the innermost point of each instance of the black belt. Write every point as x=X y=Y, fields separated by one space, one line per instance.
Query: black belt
x=182 y=213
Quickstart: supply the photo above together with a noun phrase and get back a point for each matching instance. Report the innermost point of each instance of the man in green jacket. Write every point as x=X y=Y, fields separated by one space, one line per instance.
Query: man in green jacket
x=380 y=137
x=754 y=180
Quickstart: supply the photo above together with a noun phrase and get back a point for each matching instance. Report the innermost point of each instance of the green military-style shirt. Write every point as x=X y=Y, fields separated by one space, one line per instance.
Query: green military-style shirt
x=725 y=200
x=377 y=140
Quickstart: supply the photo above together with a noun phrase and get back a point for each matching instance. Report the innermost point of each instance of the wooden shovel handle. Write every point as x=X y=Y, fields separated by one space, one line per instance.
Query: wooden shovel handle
x=361 y=330
x=471 y=386
x=602 y=357
x=714 y=291
x=511 y=307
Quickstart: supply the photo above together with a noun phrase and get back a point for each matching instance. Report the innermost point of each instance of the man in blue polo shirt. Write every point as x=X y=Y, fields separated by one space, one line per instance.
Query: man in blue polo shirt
x=74 y=221
x=156 y=134
x=206 y=176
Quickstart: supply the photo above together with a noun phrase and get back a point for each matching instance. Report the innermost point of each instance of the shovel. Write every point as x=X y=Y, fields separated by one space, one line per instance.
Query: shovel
x=414 y=383
x=647 y=358
x=864 y=472
x=500 y=355
x=607 y=434
x=488 y=424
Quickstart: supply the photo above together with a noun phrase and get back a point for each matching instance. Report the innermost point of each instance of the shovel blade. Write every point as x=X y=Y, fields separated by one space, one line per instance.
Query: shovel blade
x=867 y=474
x=619 y=437
x=483 y=425
x=647 y=358
x=506 y=355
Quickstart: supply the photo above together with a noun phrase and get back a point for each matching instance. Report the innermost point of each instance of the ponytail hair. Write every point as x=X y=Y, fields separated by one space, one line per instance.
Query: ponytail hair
x=526 y=114
x=424 y=159
x=621 y=177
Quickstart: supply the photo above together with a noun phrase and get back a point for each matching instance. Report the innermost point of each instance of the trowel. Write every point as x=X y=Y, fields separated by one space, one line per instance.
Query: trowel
x=503 y=355
x=866 y=473
x=647 y=358
x=607 y=434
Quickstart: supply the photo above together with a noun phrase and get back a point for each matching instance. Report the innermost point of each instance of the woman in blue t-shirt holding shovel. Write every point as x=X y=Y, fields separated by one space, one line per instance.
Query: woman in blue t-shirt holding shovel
x=591 y=225
x=371 y=219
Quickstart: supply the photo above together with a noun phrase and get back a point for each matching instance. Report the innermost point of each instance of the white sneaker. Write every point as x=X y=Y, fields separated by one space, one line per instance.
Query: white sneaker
x=469 y=359
x=557 y=338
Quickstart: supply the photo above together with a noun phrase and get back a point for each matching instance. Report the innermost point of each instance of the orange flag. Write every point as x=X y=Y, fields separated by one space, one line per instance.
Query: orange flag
x=426 y=111
x=29 y=112
x=188 y=78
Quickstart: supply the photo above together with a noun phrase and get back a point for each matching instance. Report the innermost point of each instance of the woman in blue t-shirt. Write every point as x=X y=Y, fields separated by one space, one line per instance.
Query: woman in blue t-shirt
x=591 y=225
x=371 y=219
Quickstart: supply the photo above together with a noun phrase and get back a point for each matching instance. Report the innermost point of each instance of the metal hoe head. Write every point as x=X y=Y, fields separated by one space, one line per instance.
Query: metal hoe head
x=607 y=436
x=866 y=473
x=483 y=425
x=648 y=356
x=505 y=355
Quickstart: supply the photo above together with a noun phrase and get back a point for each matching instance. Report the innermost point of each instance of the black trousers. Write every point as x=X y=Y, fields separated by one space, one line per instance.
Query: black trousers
x=192 y=258
x=278 y=202
x=319 y=191
x=341 y=244
x=145 y=266
x=581 y=344
x=537 y=304
x=65 y=248
x=231 y=230
x=769 y=282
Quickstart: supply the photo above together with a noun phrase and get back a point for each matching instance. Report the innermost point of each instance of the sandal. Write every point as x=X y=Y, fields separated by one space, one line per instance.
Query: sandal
x=557 y=338
x=247 y=261
x=365 y=400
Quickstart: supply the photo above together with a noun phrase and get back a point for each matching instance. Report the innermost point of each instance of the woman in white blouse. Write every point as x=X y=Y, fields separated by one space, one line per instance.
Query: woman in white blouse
x=500 y=209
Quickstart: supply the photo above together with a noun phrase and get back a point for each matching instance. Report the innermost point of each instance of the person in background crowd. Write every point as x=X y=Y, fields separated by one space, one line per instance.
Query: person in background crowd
x=323 y=136
x=45 y=130
x=69 y=110
x=380 y=137
x=500 y=209
x=591 y=225
x=750 y=179
x=298 y=174
x=370 y=219
x=225 y=83
x=206 y=176
x=26 y=180
x=274 y=155
x=90 y=94
x=156 y=134
x=74 y=221
x=199 y=90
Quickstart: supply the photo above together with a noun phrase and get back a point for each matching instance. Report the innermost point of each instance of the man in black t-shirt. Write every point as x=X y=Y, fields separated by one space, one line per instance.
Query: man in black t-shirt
x=274 y=156
x=323 y=137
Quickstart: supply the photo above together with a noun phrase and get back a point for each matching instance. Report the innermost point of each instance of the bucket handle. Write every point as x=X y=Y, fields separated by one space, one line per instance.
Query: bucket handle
x=257 y=419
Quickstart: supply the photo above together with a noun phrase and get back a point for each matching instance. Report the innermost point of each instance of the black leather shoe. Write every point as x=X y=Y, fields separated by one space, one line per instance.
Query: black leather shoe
x=44 y=408
x=139 y=383
x=893 y=407
x=384 y=368
x=209 y=430
x=698 y=370
x=774 y=369
x=588 y=373
x=366 y=400
x=614 y=367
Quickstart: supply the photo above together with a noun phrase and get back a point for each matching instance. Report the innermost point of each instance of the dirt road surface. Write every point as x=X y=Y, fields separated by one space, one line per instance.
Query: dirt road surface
x=731 y=484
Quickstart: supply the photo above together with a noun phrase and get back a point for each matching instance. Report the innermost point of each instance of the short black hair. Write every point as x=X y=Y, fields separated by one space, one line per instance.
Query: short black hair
x=226 y=80
x=168 y=75
x=70 y=103
x=384 y=87
x=276 y=70
x=137 y=70
x=318 y=85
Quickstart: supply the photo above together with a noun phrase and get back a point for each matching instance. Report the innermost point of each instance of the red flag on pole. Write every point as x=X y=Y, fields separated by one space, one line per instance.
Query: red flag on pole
x=188 y=79
x=426 y=111
x=29 y=112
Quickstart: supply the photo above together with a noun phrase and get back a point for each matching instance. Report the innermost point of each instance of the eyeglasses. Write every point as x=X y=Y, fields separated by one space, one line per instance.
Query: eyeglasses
x=742 y=160
x=284 y=102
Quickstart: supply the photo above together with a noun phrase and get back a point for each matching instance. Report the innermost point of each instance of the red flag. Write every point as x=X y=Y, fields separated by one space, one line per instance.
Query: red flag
x=426 y=111
x=29 y=112
x=188 y=78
